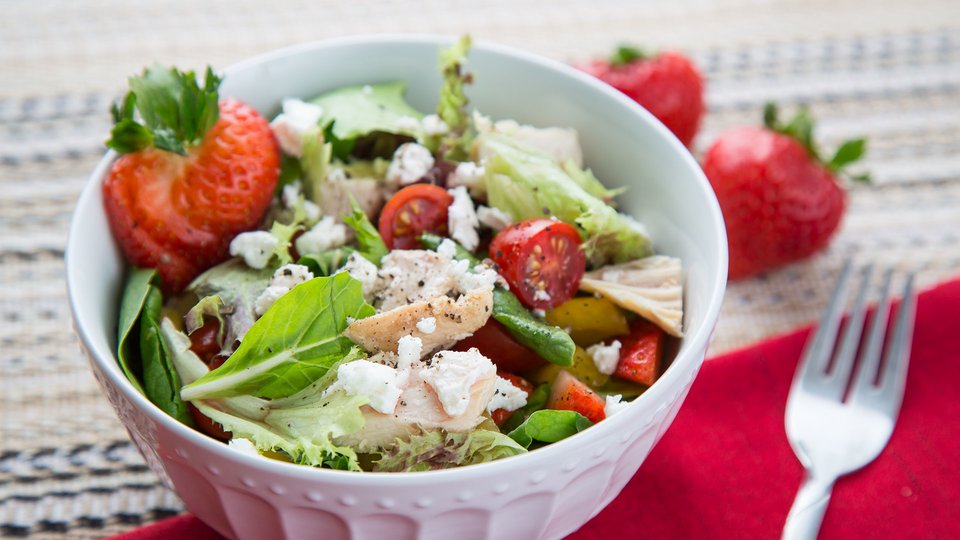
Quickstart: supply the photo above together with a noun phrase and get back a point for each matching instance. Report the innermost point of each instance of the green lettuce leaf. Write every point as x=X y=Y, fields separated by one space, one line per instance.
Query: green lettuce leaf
x=208 y=306
x=527 y=185
x=135 y=290
x=356 y=111
x=371 y=243
x=585 y=179
x=452 y=105
x=552 y=343
x=161 y=381
x=328 y=262
x=238 y=286
x=441 y=450
x=535 y=401
x=303 y=433
x=315 y=163
x=549 y=426
x=293 y=344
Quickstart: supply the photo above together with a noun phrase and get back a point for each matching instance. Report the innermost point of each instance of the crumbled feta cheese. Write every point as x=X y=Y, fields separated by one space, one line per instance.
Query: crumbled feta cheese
x=407 y=123
x=462 y=219
x=452 y=373
x=256 y=248
x=605 y=357
x=469 y=175
x=493 y=218
x=290 y=275
x=482 y=277
x=447 y=248
x=377 y=382
x=506 y=396
x=411 y=162
x=433 y=125
x=326 y=234
x=427 y=325
x=292 y=124
x=268 y=297
x=243 y=445
x=541 y=296
x=363 y=271
x=409 y=349
x=539 y=313
x=311 y=211
x=614 y=404
x=291 y=195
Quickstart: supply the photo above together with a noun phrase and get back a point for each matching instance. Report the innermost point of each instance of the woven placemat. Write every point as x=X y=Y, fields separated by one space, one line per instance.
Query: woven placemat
x=891 y=72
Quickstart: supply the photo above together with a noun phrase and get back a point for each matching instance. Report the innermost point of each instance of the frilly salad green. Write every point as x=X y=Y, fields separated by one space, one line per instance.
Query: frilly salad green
x=424 y=291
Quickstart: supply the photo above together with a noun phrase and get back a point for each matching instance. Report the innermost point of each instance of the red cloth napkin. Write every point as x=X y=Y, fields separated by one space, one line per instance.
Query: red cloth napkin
x=725 y=470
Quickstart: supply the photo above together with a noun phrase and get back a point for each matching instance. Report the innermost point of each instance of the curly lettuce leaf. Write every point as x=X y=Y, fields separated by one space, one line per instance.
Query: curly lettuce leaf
x=208 y=306
x=452 y=105
x=528 y=184
x=238 y=286
x=371 y=244
x=441 y=450
x=293 y=344
x=549 y=426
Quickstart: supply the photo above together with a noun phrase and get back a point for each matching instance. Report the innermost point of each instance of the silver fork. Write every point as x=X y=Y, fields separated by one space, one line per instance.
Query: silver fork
x=833 y=436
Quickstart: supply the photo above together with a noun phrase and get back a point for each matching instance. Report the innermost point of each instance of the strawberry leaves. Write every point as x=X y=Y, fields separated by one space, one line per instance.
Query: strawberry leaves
x=800 y=128
x=626 y=54
x=166 y=109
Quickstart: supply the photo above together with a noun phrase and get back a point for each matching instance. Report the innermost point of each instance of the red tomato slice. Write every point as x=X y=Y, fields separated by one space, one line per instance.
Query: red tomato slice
x=500 y=416
x=641 y=353
x=412 y=211
x=208 y=426
x=569 y=394
x=495 y=342
x=542 y=261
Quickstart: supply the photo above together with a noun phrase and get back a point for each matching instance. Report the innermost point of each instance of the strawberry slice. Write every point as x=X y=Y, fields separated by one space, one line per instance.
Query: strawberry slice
x=569 y=394
x=195 y=172
x=640 y=353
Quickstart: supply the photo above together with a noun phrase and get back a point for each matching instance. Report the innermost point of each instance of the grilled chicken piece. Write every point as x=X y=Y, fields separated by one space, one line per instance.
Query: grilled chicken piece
x=455 y=320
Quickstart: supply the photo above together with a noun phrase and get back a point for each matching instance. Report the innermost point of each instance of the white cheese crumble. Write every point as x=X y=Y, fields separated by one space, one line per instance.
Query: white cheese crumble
x=292 y=194
x=290 y=126
x=255 y=247
x=433 y=125
x=408 y=352
x=451 y=375
x=381 y=384
x=539 y=313
x=493 y=218
x=363 y=271
x=407 y=123
x=614 y=404
x=285 y=278
x=541 y=296
x=506 y=396
x=605 y=357
x=410 y=163
x=243 y=445
x=427 y=325
x=462 y=219
x=326 y=234
x=482 y=277
x=469 y=175
x=447 y=248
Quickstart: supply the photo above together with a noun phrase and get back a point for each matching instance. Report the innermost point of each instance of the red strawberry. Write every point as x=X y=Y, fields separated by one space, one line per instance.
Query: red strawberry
x=667 y=84
x=194 y=174
x=781 y=202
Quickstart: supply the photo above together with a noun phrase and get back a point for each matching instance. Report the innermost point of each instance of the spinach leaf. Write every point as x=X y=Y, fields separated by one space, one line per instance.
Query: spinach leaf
x=549 y=426
x=292 y=345
x=550 y=342
x=160 y=379
x=535 y=401
x=328 y=262
x=134 y=295
x=372 y=246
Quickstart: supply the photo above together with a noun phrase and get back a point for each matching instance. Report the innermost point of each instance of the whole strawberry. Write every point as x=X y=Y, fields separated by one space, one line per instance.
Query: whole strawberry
x=781 y=202
x=666 y=84
x=195 y=172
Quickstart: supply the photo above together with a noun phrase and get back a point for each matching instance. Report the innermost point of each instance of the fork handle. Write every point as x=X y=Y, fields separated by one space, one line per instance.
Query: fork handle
x=806 y=514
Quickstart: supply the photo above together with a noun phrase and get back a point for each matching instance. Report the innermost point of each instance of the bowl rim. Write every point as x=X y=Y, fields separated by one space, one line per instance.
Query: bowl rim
x=655 y=393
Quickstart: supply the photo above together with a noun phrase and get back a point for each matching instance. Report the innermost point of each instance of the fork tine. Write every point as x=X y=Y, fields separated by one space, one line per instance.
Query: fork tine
x=893 y=378
x=870 y=356
x=815 y=355
x=839 y=374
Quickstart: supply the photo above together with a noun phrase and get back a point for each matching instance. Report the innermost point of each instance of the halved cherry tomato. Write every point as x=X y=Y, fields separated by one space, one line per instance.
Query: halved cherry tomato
x=204 y=342
x=495 y=342
x=640 y=353
x=412 y=211
x=569 y=394
x=207 y=425
x=502 y=415
x=541 y=259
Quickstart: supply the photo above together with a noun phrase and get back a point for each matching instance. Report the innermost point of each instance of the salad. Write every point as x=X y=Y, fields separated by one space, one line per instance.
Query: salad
x=358 y=285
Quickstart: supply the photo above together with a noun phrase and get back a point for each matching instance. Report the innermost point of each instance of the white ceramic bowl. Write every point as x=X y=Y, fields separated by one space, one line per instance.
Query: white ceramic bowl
x=547 y=493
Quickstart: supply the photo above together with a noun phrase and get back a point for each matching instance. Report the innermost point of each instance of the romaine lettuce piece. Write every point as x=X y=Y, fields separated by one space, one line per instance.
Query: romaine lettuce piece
x=527 y=184
x=549 y=426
